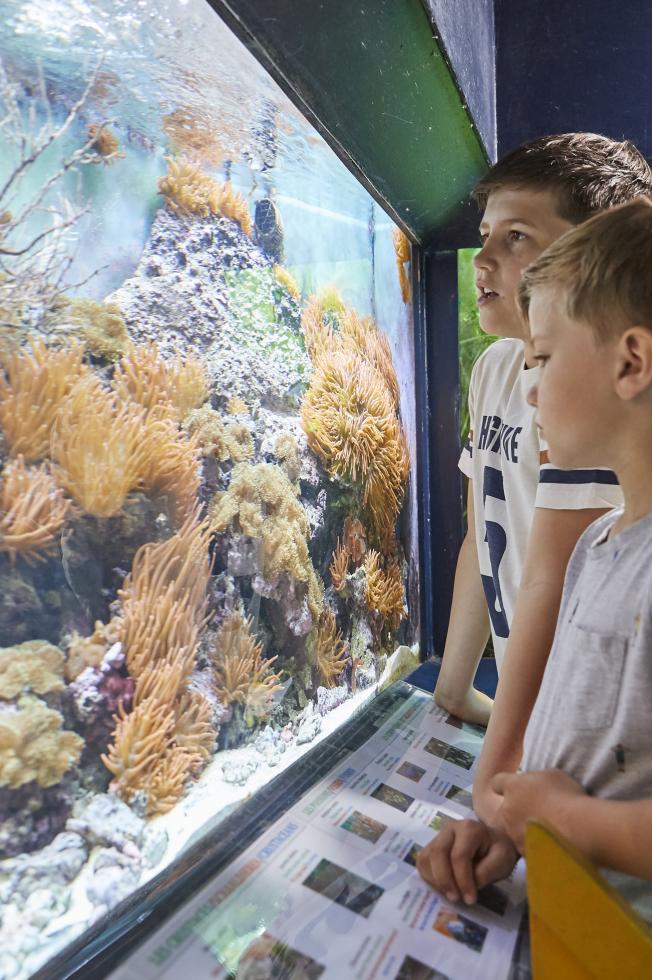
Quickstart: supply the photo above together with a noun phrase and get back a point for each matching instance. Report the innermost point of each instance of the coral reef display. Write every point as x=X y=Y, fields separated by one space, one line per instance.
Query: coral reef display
x=207 y=532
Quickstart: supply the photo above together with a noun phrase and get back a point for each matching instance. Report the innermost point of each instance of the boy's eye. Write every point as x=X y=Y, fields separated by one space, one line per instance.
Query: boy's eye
x=483 y=237
x=541 y=358
x=517 y=236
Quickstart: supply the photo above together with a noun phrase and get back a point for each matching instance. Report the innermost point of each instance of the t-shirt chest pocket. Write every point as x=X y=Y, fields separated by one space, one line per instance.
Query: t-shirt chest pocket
x=589 y=695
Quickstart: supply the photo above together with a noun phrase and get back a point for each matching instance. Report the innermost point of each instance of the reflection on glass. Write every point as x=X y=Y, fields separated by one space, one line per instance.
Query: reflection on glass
x=207 y=521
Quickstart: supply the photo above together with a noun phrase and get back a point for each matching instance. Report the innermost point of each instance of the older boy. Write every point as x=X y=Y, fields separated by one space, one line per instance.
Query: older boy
x=516 y=496
x=587 y=765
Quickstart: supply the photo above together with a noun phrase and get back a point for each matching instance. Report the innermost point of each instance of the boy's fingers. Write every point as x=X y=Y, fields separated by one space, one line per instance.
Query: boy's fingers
x=433 y=862
x=470 y=844
x=440 y=864
x=496 y=864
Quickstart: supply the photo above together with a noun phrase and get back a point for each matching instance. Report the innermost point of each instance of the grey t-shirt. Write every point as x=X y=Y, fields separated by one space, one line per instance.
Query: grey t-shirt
x=593 y=715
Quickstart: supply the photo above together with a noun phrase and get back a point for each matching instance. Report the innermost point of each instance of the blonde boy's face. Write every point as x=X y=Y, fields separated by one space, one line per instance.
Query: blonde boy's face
x=575 y=397
x=517 y=225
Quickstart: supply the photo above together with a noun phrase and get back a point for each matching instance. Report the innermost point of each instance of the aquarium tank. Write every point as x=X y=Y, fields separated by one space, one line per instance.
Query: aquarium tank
x=208 y=542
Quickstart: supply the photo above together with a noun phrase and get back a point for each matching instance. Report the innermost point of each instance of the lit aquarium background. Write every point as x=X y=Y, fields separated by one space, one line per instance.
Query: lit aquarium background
x=208 y=546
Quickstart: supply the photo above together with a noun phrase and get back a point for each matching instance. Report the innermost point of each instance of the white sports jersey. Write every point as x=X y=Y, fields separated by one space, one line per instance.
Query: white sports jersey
x=508 y=463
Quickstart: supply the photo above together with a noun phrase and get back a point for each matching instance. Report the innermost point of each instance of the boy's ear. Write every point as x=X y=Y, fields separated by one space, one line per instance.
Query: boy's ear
x=634 y=359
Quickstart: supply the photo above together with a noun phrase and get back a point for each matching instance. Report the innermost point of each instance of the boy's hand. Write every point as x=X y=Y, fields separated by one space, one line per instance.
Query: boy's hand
x=544 y=795
x=466 y=855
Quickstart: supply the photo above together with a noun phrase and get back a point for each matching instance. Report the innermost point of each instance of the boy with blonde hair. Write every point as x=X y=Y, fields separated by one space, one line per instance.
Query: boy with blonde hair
x=586 y=764
x=524 y=513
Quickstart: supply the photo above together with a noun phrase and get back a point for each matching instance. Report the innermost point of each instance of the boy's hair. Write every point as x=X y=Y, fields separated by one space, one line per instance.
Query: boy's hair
x=588 y=172
x=602 y=269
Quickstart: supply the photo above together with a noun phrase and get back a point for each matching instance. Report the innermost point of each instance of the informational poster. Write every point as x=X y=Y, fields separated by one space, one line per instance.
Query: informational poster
x=331 y=889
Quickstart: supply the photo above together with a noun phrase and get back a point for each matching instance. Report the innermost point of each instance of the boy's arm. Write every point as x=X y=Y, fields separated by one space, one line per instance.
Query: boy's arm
x=468 y=632
x=612 y=833
x=553 y=536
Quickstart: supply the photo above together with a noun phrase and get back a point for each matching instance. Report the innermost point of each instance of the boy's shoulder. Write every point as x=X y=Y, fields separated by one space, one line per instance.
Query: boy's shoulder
x=499 y=369
x=502 y=353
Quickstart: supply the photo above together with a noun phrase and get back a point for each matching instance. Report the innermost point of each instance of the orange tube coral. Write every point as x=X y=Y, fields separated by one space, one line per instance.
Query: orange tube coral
x=339 y=566
x=177 y=386
x=144 y=759
x=241 y=674
x=33 y=387
x=164 y=600
x=384 y=589
x=32 y=511
x=329 y=651
x=171 y=465
x=189 y=191
x=98 y=446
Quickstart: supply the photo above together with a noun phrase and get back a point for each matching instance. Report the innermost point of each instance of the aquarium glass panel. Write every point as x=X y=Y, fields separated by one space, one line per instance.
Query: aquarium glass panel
x=208 y=547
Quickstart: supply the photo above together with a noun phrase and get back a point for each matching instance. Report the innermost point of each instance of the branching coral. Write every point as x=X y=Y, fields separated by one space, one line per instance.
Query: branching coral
x=189 y=191
x=403 y=256
x=339 y=566
x=98 y=446
x=35 y=666
x=143 y=376
x=33 y=744
x=37 y=249
x=33 y=386
x=241 y=674
x=329 y=651
x=384 y=589
x=32 y=511
x=224 y=440
x=261 y=502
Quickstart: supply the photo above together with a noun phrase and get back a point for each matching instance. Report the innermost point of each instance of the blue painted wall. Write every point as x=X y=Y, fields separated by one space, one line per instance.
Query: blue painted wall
x=466 y=28
x=565 y=65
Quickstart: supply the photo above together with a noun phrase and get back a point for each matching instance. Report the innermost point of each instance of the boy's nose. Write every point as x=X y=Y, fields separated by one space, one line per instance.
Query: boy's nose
x=484 y=259
x=532 y=396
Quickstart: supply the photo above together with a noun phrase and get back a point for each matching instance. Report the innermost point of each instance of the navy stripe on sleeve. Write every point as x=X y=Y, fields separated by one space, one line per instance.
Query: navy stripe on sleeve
x=552 y=475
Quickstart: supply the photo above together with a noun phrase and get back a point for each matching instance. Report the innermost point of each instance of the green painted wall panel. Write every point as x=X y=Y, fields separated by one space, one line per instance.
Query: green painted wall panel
x=371 y=76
